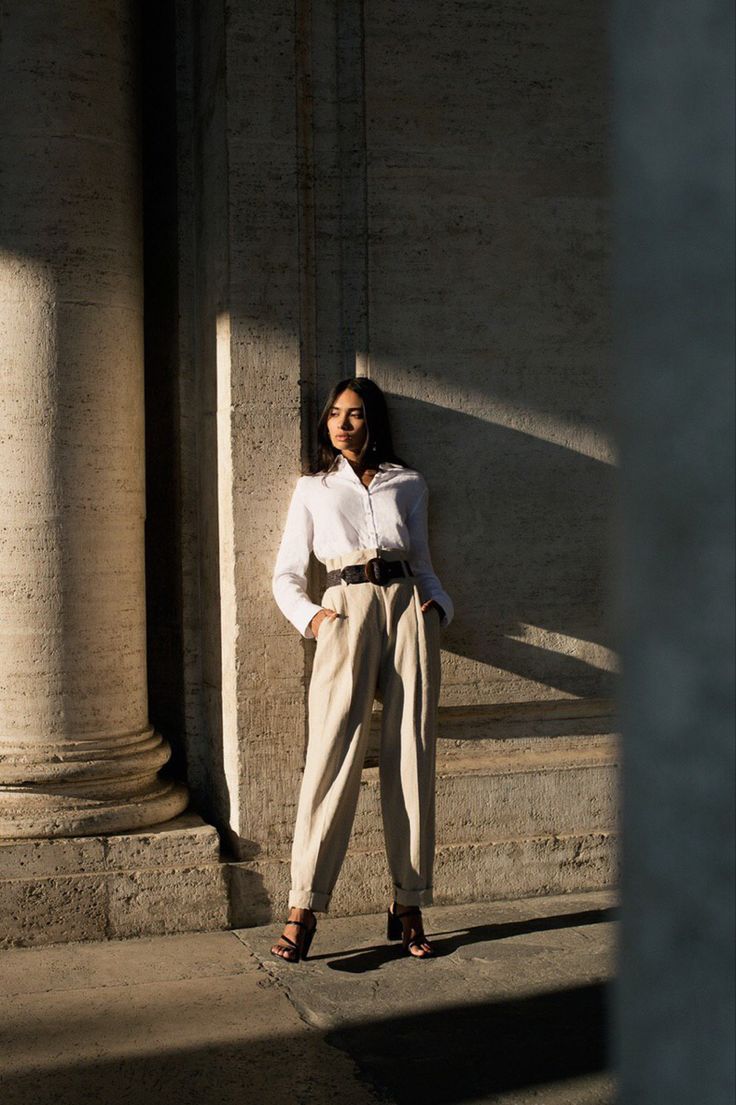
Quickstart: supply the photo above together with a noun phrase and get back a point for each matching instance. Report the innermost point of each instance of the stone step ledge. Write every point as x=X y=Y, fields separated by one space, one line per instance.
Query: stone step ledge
x=491 y=806
x=489 y=871
x=185 y=840
x=157 y=881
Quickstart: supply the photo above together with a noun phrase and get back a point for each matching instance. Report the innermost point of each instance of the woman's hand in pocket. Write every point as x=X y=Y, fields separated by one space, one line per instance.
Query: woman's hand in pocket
x=433 y=603
x=319 y=617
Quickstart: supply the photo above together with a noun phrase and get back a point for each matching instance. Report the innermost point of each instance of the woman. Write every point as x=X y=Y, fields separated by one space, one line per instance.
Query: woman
x=364 y=515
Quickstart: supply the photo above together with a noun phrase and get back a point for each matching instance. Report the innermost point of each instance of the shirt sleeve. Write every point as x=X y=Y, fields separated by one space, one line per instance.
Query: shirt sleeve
x=420 y=559
x=289 y=581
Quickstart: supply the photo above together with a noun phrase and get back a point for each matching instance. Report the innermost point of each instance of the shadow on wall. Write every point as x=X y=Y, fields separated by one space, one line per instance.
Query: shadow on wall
x=520 y=533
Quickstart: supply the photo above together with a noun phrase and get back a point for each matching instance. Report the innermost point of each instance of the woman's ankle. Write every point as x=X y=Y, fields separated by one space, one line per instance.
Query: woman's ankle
x=300 y=913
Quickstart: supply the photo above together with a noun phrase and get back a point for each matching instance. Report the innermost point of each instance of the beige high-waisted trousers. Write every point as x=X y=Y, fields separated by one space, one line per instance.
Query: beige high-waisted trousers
x=381 y=644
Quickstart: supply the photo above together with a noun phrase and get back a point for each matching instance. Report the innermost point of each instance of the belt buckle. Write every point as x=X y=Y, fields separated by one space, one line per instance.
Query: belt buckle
x=374 y=571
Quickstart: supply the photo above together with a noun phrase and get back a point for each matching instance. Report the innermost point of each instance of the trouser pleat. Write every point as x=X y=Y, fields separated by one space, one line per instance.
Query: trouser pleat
x=381 y=643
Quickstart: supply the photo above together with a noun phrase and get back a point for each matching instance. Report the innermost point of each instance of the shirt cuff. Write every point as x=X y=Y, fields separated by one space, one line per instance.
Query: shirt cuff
x=302 y=624
x=445 y=602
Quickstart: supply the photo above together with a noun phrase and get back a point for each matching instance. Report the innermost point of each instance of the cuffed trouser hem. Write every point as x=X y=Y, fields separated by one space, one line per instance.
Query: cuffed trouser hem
x=309 y=899
x=413 y=897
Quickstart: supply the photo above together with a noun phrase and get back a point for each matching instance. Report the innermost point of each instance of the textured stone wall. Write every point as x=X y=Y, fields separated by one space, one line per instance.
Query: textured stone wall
x=456 y=248
x=242 y=427
x=487 y=212
x=419 y=192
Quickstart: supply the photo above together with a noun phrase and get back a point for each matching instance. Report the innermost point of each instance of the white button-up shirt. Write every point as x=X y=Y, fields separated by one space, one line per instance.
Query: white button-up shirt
x=335 y=513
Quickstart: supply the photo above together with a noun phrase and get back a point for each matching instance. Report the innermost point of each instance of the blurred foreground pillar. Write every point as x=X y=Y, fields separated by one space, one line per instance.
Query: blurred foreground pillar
x=673 y=73
x=77 y=755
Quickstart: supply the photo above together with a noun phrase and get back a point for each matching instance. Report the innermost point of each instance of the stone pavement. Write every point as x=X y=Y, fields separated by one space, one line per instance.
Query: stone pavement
x=512 y=1012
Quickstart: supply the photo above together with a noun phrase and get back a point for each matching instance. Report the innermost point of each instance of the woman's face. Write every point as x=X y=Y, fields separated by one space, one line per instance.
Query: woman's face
x=346 y=423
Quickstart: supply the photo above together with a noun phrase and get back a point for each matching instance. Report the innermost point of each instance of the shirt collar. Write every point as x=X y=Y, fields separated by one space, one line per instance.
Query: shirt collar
x=344 y=468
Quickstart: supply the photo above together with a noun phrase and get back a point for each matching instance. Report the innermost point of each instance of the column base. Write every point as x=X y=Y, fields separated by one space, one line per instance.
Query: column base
x=49 y=816
x=83 y=787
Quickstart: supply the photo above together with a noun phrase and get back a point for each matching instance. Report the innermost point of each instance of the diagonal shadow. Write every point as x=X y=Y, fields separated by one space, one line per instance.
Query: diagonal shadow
x=472 y=1052
x=464 y=1053
x=361 y=960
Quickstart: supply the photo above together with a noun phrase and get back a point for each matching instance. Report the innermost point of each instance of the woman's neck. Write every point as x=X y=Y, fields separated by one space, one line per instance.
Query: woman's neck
x=360 y=465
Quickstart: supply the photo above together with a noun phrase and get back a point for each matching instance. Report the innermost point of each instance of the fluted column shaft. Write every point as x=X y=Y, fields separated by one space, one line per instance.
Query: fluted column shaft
x=77 y=754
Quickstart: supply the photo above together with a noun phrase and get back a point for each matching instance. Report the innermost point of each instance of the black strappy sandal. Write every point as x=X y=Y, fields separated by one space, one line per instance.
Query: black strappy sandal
x=395 y=931
x=302 y=948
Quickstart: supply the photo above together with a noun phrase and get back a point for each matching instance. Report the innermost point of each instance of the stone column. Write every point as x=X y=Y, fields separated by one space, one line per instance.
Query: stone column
x=77 y=755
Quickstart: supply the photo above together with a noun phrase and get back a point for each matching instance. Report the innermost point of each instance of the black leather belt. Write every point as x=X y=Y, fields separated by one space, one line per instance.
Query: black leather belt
x=374 y=570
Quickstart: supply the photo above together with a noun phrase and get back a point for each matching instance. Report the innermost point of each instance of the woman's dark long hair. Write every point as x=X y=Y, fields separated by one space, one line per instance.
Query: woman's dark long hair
x=378 y=444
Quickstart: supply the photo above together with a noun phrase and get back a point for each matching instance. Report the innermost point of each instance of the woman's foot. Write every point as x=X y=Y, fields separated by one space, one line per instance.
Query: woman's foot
x=414 y=941
x=291 y=941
